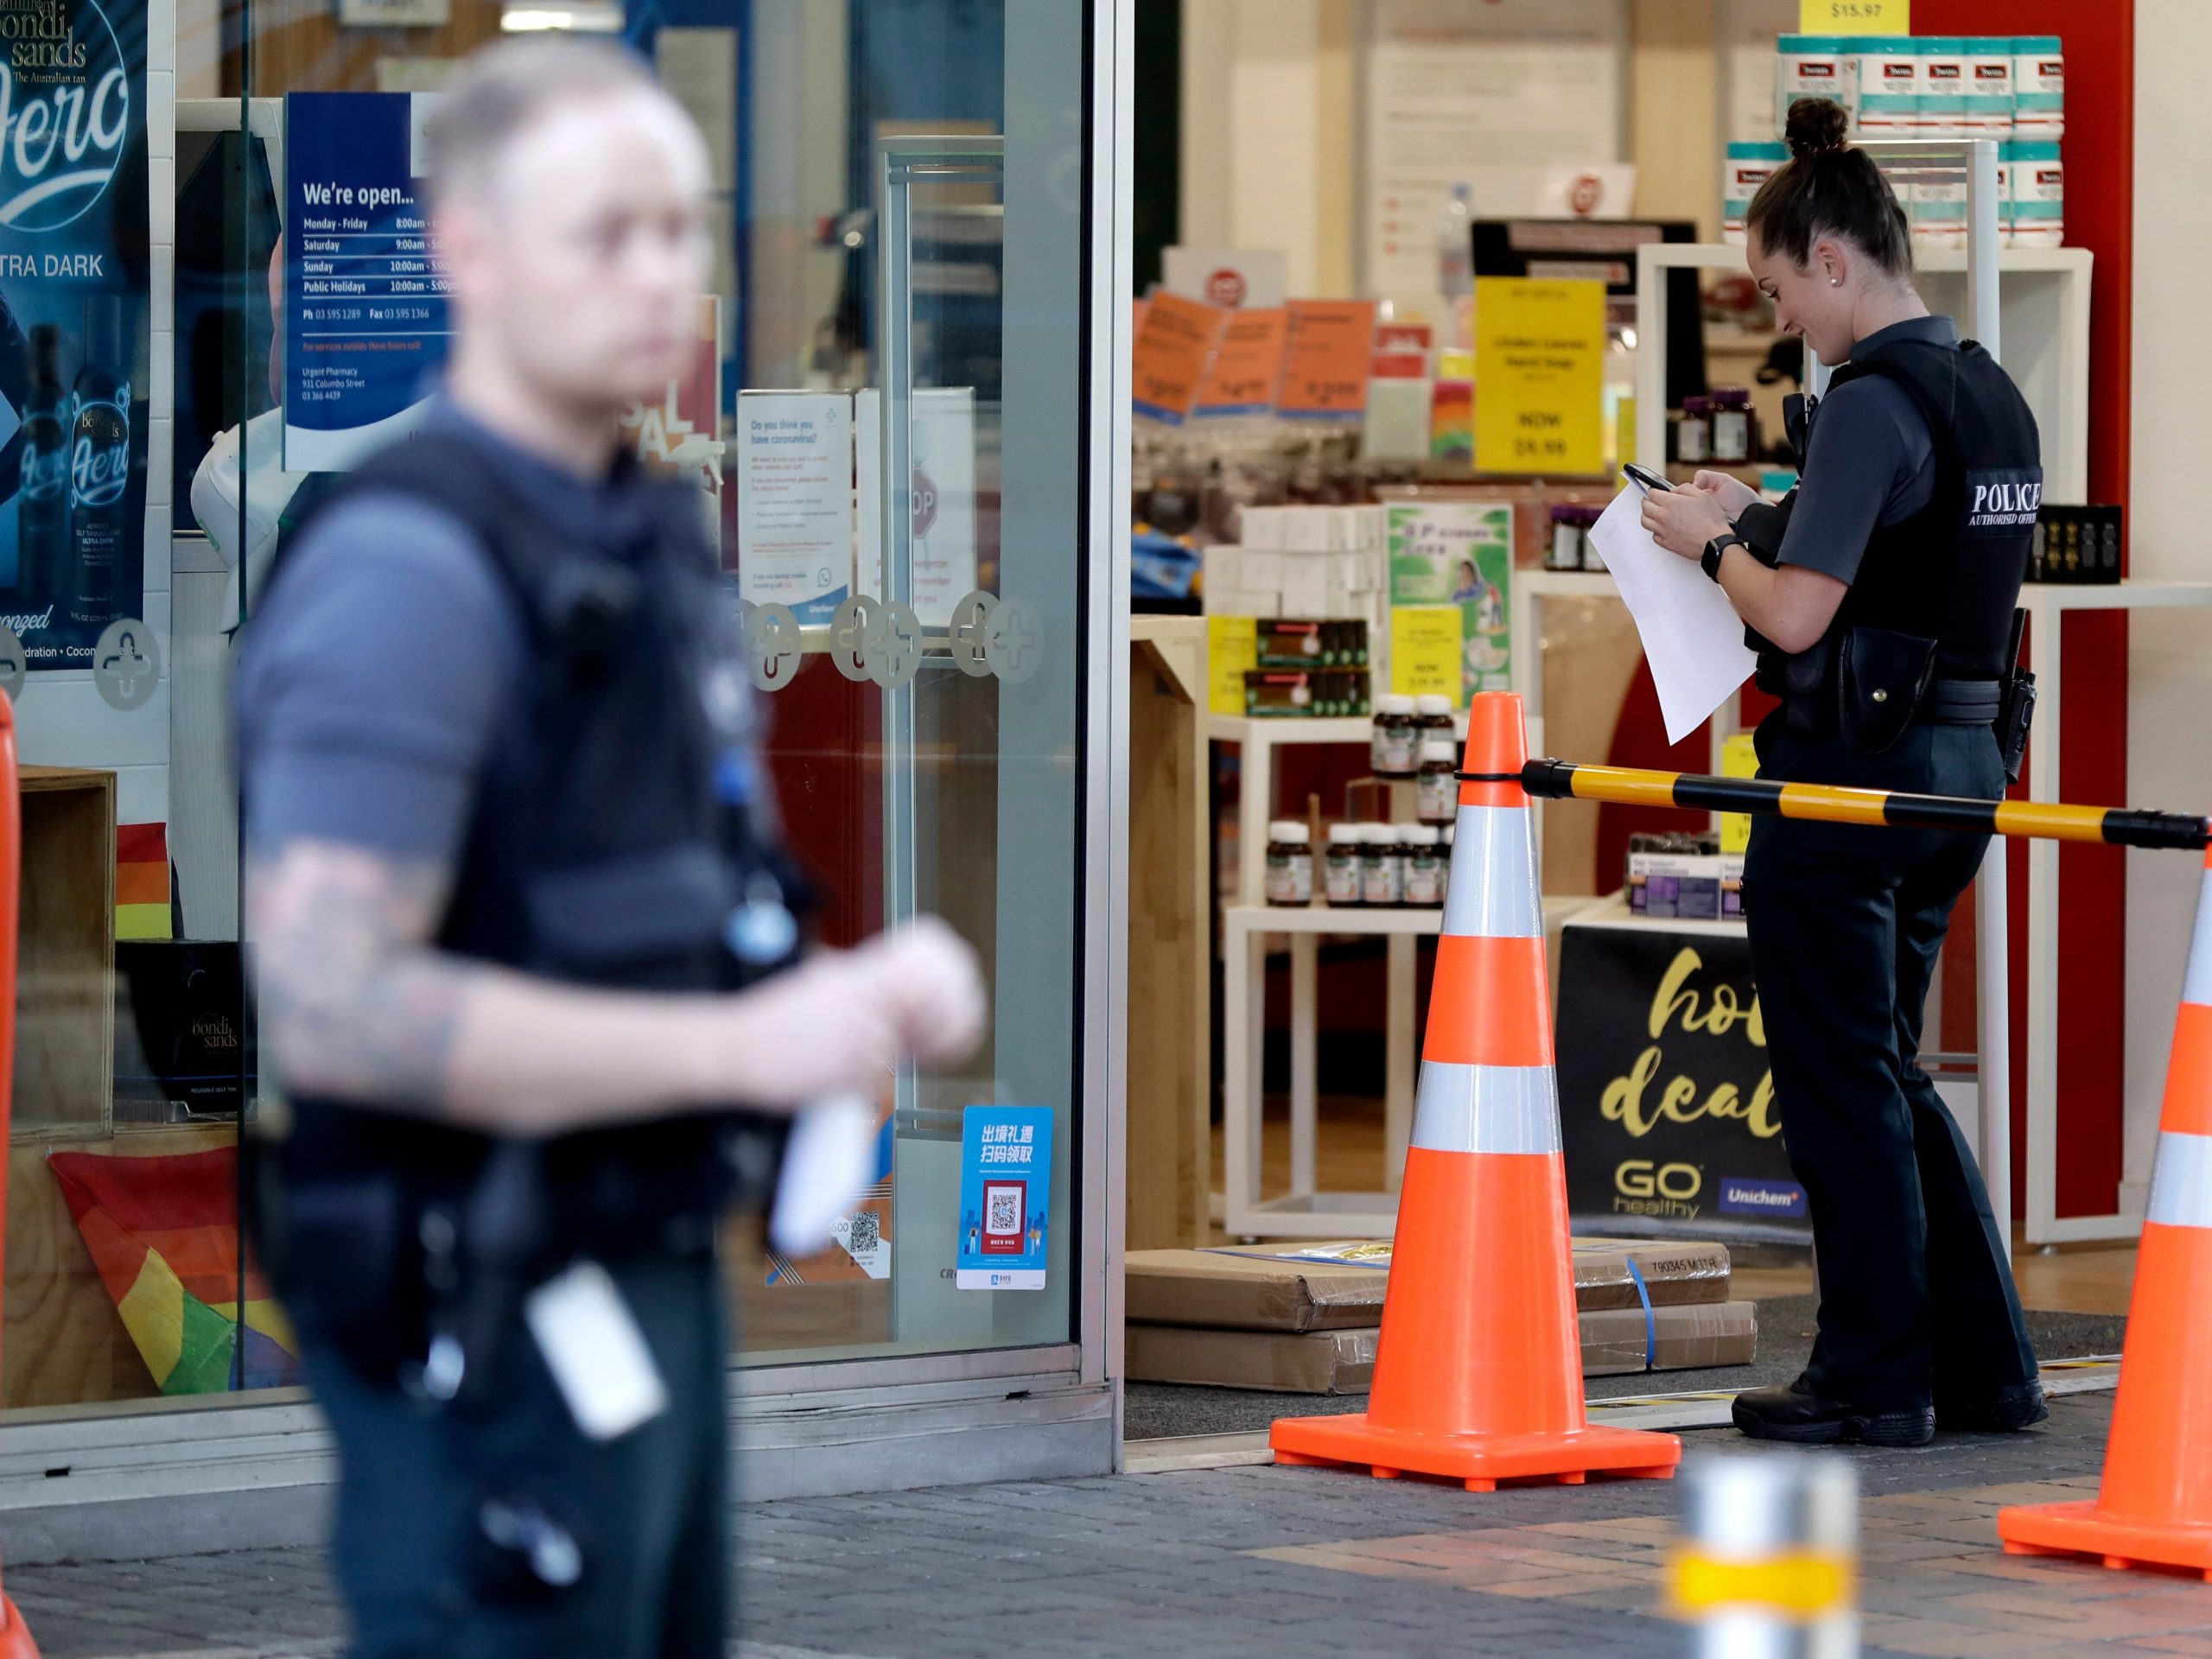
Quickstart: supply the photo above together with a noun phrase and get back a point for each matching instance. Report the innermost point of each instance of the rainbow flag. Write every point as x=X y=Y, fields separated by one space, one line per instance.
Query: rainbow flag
x=142 y=881
x=164 y=1233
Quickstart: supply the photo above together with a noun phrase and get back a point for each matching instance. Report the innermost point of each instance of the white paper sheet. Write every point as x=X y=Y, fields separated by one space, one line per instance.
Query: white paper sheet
x=1692 y=636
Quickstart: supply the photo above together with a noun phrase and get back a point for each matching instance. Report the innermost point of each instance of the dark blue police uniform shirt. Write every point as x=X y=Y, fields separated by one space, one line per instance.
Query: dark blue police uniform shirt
x=1872 y=462
x=370 y=684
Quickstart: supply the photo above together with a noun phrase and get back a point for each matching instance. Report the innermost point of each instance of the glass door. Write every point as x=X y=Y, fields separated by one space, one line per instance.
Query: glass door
x=939 y=745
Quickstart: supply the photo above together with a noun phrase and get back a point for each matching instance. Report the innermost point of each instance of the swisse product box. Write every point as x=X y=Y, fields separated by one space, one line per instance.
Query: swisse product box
x=1748 y=166
x=2039 y=86
x=1888 y=87
x=1340 y=1286
x=1810 y=65
x=1615 y=1342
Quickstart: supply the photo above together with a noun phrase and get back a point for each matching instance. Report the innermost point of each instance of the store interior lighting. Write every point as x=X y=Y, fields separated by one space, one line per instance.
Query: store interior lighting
x=585 y=16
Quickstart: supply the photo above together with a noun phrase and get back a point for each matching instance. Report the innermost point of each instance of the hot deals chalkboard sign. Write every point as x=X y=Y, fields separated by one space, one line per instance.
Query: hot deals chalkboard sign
x=1666 y=1103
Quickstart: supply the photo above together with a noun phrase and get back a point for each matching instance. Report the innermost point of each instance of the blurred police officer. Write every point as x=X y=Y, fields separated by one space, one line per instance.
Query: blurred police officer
x=523 y=931
x=1880 y=596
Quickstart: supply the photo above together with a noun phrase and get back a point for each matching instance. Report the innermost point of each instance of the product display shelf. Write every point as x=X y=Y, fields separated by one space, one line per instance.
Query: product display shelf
x=1258 y=739
x=2042 y=329
x=1305 y=1212
x=2046 y=603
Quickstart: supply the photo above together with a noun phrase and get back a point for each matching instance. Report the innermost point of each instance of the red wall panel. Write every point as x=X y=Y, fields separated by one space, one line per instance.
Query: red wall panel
x=2100 y=157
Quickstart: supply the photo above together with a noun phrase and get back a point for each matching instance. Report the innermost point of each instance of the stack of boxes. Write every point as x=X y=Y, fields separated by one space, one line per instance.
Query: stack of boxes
x=1307 y=564
x=2010 y=88
x=1306 y=1319
x=1311 y=564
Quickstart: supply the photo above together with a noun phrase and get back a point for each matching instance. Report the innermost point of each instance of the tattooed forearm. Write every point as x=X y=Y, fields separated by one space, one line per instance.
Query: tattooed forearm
x=355 y=1003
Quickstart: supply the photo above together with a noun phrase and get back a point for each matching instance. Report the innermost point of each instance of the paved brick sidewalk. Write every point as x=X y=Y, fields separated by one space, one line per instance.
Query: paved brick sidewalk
x=1287 y=1564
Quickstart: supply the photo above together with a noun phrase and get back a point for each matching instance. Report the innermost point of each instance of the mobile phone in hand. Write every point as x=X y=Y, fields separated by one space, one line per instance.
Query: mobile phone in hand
x=1644 y=476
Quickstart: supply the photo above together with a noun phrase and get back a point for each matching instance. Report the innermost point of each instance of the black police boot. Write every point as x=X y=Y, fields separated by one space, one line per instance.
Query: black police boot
x=2004 y=1412
x=1801 y=1417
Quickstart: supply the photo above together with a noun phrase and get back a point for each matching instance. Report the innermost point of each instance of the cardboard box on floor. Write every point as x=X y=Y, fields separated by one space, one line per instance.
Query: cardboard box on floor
x=1615 y=1341
x=1338 y=1286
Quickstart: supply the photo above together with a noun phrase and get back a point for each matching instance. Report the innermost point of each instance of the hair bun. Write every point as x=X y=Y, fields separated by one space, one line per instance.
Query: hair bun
x=1815 y=127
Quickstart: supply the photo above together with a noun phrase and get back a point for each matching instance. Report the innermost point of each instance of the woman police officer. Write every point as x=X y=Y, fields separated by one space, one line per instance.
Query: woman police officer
x=1879 y=597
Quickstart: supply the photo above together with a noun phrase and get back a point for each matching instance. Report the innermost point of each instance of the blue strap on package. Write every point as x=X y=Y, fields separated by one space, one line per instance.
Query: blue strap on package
x=1650 y=1322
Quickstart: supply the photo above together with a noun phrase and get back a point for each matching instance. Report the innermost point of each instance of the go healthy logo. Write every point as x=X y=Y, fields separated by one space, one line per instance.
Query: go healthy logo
x=65 y=111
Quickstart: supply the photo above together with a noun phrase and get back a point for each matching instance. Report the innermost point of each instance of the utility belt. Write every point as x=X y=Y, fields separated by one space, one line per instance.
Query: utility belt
x=390 y=1264
x=1869 y=686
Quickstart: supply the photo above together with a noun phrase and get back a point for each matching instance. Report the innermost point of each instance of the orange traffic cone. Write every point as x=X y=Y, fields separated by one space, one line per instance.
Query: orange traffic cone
x=1478 y=1377
x=2155 y=1506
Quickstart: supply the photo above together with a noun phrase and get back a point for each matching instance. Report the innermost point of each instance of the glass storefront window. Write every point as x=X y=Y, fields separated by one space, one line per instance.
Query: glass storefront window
x=899 y=233
x=124 y=1275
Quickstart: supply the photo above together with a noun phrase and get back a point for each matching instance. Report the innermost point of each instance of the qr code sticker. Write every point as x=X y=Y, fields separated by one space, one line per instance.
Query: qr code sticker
x=1005 y=1215
x=866 y=1232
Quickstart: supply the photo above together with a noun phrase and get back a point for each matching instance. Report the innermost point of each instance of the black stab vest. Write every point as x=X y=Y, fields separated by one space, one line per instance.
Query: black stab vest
x=616 y=824
x=1952 y=572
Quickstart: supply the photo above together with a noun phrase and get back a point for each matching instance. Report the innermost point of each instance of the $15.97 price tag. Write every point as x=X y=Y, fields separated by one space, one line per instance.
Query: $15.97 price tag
x=1854 y=16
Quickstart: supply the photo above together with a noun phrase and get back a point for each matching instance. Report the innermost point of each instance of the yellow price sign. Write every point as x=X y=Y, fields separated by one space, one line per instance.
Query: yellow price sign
x=1854 y=16
x=1540 y=377
x=1232 y=646
x=1426 y=641
x=1739 y=759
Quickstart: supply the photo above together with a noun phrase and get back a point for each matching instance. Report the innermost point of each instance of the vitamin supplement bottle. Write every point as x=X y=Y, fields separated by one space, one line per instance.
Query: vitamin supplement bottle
x=1424 y=865
x=1439 y=798
x=1290 y=864
x=1394 y=745
x=1346 y=844
x=1382 y=867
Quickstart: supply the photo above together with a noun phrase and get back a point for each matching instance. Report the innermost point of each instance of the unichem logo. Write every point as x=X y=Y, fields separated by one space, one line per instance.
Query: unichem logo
x=65 y=111
x=1740 y=1197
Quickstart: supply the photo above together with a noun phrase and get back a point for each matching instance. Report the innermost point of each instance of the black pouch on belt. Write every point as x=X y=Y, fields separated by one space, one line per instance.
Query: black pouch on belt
x=1881 y=678
x=344 y=1255
x=1803 y=676
x=2017 y=705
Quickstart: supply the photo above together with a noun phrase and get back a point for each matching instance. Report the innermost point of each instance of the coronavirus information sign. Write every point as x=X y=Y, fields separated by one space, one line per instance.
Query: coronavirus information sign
x=365 y=296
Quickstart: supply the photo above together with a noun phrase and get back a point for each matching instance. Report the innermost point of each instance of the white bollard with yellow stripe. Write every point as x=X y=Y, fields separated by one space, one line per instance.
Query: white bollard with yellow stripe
x=1769 y=1566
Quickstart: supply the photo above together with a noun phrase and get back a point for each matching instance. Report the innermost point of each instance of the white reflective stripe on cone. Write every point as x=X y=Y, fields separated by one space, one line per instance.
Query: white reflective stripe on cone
x=2196 y=982
x=1486 y=1108
x=2181 y=1181
x=1493 y=890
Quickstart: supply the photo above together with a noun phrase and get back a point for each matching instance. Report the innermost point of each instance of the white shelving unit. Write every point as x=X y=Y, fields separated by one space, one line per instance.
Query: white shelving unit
x=1305 y=1212
x=2046 y=604
x=1259 y=738
x=2044 y=327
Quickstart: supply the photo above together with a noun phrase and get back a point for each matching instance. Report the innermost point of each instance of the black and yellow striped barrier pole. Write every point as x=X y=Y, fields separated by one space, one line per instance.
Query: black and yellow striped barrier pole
x=2112 y=826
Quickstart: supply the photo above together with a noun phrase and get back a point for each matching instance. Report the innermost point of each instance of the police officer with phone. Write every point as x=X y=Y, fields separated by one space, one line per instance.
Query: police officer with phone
x=1880 y=597
x=529 y=948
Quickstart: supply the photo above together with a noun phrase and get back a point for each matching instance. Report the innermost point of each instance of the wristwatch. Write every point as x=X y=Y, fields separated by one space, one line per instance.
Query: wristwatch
x=1709 y=561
